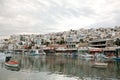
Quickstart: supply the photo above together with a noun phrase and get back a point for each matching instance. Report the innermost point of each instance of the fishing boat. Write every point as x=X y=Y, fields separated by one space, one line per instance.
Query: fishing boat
x=100 y=65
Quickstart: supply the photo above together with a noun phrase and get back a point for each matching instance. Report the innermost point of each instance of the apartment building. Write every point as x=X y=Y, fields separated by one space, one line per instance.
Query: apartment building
x=102 y=43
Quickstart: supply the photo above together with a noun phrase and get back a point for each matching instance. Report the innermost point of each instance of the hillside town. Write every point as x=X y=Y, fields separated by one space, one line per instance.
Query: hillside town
x=103 y=38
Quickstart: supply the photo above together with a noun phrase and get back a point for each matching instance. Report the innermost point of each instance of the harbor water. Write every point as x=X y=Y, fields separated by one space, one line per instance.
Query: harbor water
x=58 y=68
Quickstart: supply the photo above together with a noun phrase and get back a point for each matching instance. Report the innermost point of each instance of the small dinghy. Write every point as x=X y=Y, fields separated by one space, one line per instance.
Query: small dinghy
x=13 y=65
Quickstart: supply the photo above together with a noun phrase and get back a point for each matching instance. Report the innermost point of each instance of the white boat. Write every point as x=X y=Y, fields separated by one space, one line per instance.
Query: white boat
x=37 y=52
x=99 y=55
x=100 y=65
x=86 y=56
x=2 y=57
x=102 y=57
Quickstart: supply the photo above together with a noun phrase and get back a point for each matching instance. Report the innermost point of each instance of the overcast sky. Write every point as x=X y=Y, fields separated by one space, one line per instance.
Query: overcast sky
x=45 y=16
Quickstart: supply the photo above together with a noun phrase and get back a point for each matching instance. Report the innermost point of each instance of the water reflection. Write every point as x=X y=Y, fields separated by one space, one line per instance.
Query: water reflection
x=61 y=68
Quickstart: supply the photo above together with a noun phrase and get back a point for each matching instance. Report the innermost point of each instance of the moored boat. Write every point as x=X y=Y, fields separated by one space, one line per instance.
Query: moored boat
x=36 y=52
x=87 y=56
x=2 y=57
x=116 y=59
x=100 y=65
x=12 y=64
x=117 y=55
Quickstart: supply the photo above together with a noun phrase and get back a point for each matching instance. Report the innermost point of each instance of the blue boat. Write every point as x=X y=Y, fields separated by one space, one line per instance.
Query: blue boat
x=116 y=59
x=117 y=55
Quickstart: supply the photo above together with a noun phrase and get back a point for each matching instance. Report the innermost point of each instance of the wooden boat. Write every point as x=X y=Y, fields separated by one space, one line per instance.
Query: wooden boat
x=100 y=65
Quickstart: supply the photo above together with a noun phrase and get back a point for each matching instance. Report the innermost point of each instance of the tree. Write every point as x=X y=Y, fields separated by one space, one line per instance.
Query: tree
x=62 y=42
x=5 y=39
x=47 y=43
x=42 y=41
x=81 y=40
x=20 y=43
x=117 y=42
x=22 y=38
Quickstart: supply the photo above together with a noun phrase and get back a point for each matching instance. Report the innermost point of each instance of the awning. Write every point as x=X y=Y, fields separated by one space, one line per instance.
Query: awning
x=95 y=50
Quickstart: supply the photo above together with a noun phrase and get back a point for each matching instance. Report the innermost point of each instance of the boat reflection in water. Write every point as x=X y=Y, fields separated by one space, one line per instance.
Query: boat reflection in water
x=58 y=68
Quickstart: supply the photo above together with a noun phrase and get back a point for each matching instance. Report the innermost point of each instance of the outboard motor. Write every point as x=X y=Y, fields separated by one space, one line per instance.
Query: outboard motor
x=7 y=58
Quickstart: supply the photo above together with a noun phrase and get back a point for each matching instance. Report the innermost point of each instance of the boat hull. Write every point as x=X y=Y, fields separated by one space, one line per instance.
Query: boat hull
x=116 y=59
x=12 y=65
x=100 y=65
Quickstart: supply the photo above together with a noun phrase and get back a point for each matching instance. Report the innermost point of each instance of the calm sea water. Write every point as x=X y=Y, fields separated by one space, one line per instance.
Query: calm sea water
x=58 y=68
